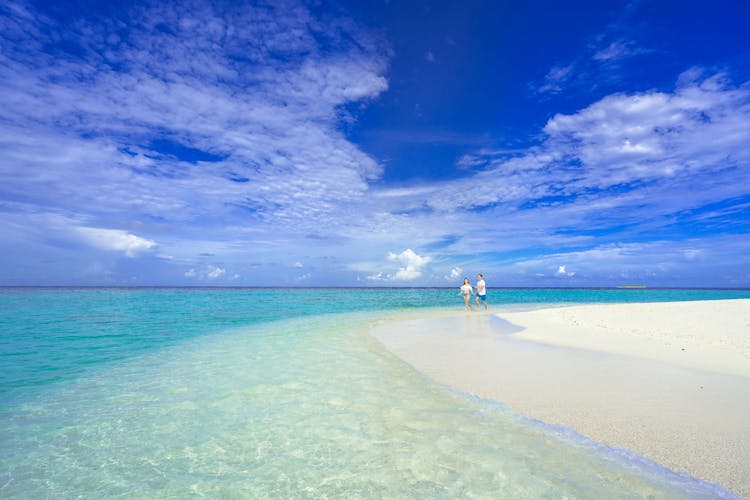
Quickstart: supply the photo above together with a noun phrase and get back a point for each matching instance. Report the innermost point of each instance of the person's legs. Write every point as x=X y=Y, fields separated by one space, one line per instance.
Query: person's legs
x=466 y=301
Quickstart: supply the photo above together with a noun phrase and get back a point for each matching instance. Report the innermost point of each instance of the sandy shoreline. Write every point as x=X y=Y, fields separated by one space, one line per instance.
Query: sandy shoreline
x=670 y=381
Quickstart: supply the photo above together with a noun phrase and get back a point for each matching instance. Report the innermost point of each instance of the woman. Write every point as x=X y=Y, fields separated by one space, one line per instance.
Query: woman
x=467 y=290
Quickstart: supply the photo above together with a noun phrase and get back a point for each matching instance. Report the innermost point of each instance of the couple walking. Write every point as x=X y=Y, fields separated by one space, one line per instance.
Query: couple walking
x=467 y=291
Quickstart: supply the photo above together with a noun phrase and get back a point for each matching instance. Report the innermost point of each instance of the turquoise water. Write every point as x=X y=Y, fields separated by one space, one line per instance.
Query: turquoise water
x=275 y=394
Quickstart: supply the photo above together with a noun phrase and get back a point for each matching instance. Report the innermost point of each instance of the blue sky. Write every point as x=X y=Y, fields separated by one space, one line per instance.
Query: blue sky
x=375 y=143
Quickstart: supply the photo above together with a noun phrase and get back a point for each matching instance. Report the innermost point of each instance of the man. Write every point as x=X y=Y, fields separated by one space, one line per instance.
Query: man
x=481 y=291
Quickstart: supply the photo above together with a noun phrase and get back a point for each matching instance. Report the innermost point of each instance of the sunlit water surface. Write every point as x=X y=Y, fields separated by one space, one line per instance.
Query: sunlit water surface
x=158 y=393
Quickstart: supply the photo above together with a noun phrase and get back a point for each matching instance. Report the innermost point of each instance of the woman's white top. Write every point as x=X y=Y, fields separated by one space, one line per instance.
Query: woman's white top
x=466 y=289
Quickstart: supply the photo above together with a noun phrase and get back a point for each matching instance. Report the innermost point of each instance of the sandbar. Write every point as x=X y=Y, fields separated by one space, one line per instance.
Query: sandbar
x=669 y=380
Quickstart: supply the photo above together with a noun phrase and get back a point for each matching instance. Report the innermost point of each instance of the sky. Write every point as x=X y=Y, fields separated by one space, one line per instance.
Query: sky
x=394 y=143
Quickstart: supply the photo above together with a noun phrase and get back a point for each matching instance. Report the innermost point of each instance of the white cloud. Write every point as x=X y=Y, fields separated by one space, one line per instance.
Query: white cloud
x=215 y=272
x=597 y=63
x=556 y=78
x=404 y=192
x=208 y=272
x=654 y=263
x=297 y=265
x=455 y=273
x=412 y=264
x=693 y=253
x=655 y=135
x=618 y=49
x=561 y=271
x=429 y=56
x=115 y=239
x=407 y=274
x=266 y=126
x=412 y=267
x=644 y=144
x=76 y=135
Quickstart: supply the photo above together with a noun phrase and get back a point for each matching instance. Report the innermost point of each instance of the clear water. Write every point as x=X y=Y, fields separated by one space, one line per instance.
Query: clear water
x=275 y=394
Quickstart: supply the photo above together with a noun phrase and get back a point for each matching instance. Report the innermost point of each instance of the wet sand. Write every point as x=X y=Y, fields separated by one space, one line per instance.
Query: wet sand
x=670 y=381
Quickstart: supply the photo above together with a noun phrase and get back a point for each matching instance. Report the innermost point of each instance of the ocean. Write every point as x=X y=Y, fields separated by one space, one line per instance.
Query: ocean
x=277 y=393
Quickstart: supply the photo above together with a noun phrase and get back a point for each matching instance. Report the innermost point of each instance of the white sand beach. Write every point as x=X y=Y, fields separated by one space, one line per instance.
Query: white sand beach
x=670 y=381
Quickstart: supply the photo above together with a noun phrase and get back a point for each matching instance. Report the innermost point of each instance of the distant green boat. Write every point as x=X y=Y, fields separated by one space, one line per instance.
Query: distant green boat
x=632 y=286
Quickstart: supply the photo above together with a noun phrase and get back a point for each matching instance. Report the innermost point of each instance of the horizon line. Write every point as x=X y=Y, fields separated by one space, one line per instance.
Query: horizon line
x=334 y=287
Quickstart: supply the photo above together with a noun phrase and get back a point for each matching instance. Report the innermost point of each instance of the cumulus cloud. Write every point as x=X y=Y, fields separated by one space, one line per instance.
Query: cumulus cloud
x=209 y=272
x=412 y=267
x=412 y=264
x=215 y=272
x=561 y=271
x=115 y=239
x=297 y=265
x=454 y=274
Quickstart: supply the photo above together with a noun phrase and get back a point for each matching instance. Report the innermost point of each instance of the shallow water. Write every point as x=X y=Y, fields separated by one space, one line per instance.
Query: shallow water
x=304 y=407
